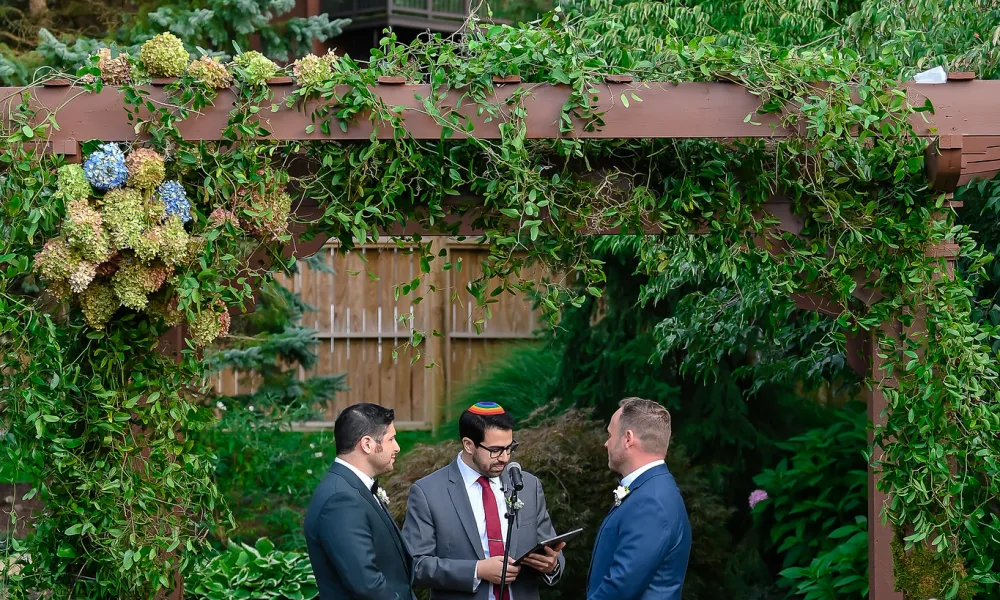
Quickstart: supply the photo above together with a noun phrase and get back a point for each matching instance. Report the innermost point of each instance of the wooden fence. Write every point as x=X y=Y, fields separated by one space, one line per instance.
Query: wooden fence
x=358 y=327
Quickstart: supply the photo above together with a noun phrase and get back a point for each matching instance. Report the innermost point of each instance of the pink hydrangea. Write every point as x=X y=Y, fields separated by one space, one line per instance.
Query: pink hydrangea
x=756 y=497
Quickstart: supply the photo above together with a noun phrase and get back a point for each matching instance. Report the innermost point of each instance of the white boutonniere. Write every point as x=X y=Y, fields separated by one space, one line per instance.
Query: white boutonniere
x=515 y=505
x=620 y=493
x=383 y=497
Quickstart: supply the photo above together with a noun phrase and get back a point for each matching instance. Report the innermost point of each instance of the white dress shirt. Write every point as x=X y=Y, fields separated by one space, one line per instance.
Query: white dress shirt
x=365 y=479
x=631 y=477
x=471 y=477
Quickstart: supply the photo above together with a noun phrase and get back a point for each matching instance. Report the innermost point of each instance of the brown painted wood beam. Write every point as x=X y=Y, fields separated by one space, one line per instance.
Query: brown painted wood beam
x=668 y=110
x=963 y=109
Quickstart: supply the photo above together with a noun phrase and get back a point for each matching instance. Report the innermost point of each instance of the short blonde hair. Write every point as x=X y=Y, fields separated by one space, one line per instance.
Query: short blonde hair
x=649 y=421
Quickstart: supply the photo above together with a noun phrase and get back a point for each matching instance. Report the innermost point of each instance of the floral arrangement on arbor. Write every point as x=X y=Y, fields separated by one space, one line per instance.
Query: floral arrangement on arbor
x=164 y=56
x=123 y=240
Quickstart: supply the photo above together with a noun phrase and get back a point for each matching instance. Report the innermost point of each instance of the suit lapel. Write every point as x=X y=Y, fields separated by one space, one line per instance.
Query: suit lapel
x=460 y=498
x=351 y=478
x=657 y=470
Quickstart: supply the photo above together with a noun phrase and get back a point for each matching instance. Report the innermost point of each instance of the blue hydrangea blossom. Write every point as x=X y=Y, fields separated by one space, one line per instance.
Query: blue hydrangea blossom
x=105 y=169
x=175 y=200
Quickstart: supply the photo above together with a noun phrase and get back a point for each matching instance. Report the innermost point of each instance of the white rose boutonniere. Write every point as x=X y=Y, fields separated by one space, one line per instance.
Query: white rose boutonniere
x=515 y=505
x=620 y=493
x=383 y=497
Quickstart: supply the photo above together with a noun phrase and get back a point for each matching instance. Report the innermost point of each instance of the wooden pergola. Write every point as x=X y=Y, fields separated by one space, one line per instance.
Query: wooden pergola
x=963 y=137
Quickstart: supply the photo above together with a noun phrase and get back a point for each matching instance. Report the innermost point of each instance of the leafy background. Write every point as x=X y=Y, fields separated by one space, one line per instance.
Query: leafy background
x=757 y=402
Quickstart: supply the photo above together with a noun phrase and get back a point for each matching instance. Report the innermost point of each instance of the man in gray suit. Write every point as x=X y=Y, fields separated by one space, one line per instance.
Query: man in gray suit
x=356 y=550
x=456 y=526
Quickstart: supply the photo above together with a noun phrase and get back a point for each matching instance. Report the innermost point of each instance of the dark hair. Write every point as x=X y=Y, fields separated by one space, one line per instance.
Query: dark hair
x=474 y=426
x=357 y=421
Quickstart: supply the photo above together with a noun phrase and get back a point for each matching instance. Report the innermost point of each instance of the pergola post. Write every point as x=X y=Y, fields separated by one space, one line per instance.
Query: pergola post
x=881 y=581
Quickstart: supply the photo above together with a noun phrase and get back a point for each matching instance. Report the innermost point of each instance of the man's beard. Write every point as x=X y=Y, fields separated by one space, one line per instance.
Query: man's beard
x=486 y=469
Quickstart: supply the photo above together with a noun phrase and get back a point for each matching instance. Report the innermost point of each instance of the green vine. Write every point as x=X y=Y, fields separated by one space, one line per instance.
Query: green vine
x=99 y=418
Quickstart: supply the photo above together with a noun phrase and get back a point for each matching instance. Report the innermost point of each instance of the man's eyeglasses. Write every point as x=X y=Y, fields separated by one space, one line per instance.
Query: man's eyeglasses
x=496 y=452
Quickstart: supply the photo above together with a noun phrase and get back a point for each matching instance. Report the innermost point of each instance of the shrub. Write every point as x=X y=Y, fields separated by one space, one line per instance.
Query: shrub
x=567 y=454
x=521 y=380
x=257 y=572
x=266 y=473
x=816 y=509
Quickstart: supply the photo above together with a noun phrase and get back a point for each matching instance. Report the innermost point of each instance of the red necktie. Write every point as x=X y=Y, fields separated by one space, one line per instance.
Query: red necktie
x=494 y=536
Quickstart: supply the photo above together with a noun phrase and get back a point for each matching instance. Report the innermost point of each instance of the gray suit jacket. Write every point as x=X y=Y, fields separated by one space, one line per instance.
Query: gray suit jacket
x=440 y=531
x=354 y=546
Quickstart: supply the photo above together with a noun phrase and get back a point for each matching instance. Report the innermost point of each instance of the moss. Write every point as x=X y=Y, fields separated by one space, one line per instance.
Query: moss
x=922 y=573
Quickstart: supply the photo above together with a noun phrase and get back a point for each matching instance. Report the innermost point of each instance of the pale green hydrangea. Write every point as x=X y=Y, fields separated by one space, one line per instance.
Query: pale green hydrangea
x=205 y=327
x=124 y=216
x=56 y=260
x=146 y=169
x=84 y=231
x=129 y=284
x=174 y=245
x=312 y=71
x=256 y=67
x=71 y=183
x=211 y=72
x=149 y=244
x=98 y=303
x=164 y=55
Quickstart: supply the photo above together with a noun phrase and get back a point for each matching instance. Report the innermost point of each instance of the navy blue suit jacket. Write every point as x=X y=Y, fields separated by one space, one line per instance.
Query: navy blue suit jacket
x=642 y=549
x=356 y=550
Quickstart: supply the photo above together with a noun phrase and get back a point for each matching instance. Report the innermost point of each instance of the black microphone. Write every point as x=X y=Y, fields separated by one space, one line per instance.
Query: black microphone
x=514 y=472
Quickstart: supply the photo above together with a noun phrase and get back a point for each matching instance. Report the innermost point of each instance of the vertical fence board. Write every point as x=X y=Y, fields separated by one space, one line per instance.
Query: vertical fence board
x=357 y=320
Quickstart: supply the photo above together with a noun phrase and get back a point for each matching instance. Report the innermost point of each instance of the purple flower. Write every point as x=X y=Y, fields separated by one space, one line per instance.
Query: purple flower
x=756 y=497
x=105 y=169
x=175 y=200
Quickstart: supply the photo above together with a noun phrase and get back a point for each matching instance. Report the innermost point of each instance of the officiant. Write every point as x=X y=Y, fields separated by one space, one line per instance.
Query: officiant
x=456 y=526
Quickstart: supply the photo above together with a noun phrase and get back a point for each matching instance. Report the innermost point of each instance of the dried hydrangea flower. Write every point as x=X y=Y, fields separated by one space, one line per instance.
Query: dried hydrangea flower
x=256 y=67
x=130 y=283
x=124 y=216
x=155 y=276
x=114 y=71
x=312 y=71
x=149 y=244
x=174 y=247
x=145 y=168
x=84 y=232
x=270 y=218
x=60 y=290
x=105 y=169
x=98 y=303
x=205 y=327
x=225 y=320
x=164 y=55
x=175 y=200
x=168 y=311
x=211 y=72
x=220 y=216
x=55 y=261
x=71 y=183
x=81 y=277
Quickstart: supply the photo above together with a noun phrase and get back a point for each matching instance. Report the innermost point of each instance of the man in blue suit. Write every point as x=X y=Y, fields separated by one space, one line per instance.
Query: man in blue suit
x=642 y=549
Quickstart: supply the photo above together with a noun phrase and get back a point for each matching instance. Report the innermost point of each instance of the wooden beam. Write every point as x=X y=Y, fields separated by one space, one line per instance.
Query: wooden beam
x=880 y=572
x=963 y=110
x=669 y=110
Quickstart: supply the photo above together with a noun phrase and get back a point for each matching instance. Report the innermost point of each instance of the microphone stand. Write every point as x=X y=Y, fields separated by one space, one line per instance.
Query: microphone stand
x=511 y=515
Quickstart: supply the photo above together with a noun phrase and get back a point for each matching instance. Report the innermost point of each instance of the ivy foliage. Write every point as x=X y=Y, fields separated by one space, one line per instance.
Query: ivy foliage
x=854 y=175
